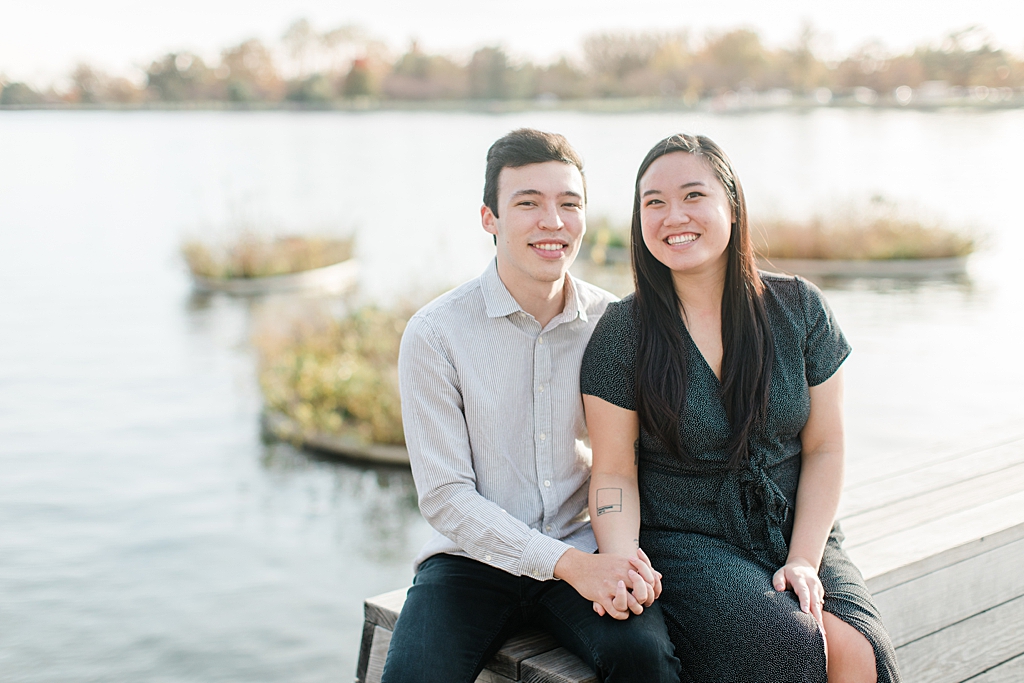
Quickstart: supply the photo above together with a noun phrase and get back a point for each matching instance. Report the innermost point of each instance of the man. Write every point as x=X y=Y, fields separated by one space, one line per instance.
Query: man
x=493 y=417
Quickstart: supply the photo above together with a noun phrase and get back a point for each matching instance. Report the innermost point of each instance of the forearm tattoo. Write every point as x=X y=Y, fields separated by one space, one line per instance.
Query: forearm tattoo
x=609 y=500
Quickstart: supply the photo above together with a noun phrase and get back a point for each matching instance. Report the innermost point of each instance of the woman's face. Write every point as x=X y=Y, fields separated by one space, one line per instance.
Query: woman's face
x=685 y=214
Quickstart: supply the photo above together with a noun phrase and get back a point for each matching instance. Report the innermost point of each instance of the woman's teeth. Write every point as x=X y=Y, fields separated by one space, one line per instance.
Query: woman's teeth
x=682 y=239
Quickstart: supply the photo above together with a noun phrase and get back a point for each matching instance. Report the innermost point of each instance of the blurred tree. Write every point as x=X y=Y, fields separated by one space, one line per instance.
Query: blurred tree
x=179 y=77
x=252 y=75
x=489 y=77
x=359 y=80
x=18 y=93
x=562 y=80
x=315 y=88
x=301 y=41
x=419 y=76
x=87 y=85
x=733 y=59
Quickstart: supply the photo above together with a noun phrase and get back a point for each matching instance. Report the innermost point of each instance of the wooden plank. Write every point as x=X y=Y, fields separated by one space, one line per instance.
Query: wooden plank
x=921 y=509
x=893 y=488
x=378 y=654
x=938 y=561
x=488 y=676
x=911 y=545
x=383 y=609
x=1007 y=672
x=557 y=666
x=364 y=651
x=952 y=594
x=523 y=645
x=966 y=649
x=865 y=468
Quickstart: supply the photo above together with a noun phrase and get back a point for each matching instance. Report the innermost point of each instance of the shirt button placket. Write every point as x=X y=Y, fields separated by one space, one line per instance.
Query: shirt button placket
x=542 y=421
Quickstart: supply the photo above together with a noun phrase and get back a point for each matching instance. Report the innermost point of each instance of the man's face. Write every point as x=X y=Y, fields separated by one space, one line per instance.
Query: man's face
x=540 y=223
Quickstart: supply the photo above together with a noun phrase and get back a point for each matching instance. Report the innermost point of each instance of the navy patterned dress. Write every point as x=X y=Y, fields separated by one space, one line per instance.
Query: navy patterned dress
x=718 y=535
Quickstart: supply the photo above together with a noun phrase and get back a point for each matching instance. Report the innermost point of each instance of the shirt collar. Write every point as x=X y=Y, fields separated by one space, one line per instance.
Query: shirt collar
x=500 y=303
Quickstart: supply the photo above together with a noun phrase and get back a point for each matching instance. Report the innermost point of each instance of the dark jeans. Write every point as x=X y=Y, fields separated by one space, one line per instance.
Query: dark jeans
x=459 y=612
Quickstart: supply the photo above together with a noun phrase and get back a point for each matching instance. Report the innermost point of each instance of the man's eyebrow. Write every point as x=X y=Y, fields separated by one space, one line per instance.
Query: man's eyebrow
x=681 y=187
x=535 y=193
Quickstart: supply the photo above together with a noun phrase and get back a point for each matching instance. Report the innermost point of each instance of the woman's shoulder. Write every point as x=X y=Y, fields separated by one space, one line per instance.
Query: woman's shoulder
x=615 y=332
x=792 y=296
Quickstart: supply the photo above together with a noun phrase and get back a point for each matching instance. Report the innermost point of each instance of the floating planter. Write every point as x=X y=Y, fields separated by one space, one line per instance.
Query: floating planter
x=256 y=265
x=329 y=279
x=330 y=384
x=275 y=425
x=890 y=268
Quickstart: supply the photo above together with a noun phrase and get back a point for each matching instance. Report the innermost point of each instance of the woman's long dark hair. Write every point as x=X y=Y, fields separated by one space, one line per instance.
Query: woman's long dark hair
x=748 y=347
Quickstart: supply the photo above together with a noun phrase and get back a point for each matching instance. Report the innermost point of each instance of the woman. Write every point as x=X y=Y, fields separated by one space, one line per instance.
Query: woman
x=713 y=396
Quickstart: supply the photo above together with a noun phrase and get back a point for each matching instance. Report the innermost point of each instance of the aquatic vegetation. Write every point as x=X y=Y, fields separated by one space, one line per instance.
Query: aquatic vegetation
x=336 y=375
x=251 y=255
x=876 y=233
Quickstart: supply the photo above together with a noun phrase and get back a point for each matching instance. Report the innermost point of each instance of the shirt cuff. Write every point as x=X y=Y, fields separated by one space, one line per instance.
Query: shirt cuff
x=540 y=557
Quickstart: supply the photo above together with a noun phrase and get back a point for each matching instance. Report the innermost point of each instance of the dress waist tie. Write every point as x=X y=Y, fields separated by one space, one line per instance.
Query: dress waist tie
x=762 y=490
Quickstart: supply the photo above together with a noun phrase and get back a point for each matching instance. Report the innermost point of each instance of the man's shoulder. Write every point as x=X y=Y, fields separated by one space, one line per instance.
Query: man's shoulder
x=465 y=299
x=592 y=298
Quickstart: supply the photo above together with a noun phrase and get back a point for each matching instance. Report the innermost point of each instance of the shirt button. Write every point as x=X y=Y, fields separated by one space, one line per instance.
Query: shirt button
x=540 y=340
x=547 y=527
x=543 y=436
x=547 y=482
x=541 y=388
x=487 y=557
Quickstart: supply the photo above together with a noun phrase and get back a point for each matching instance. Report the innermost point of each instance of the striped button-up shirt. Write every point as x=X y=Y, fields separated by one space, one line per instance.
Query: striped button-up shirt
x=494 y=424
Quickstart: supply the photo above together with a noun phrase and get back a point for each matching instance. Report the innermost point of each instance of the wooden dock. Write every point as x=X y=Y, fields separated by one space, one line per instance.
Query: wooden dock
x=939 y=536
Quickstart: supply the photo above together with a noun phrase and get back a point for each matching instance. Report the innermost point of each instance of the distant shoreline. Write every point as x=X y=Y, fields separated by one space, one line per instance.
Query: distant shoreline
x=604 y=105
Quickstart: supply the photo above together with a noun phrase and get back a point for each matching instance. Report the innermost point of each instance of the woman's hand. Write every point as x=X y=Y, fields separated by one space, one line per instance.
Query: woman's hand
x=799 y=576
x=646 y=582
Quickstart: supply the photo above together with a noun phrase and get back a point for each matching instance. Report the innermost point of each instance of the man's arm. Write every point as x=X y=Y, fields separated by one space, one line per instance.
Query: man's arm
x=437 y=437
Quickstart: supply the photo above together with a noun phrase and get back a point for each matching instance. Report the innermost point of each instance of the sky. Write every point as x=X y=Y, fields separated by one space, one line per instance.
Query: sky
x=42 y=40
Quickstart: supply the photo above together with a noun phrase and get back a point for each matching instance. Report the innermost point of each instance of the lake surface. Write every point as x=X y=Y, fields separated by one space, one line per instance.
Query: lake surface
x=146 y=533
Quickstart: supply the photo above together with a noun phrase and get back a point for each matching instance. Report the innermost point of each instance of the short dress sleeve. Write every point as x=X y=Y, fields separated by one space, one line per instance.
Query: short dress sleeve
x=825 y=347
x=608 y=369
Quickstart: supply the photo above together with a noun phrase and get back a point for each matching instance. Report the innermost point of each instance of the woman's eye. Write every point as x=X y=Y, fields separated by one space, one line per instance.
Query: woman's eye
x=694 y=194
x=652 y=202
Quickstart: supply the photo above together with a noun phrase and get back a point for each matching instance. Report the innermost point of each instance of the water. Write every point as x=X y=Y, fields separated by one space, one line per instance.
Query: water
x=148 y=534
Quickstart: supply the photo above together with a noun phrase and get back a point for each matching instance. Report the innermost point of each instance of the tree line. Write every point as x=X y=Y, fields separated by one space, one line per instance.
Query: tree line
x=345 y=64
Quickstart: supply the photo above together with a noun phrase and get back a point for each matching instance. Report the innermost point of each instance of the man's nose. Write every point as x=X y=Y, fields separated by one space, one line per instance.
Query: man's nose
x=551 y=220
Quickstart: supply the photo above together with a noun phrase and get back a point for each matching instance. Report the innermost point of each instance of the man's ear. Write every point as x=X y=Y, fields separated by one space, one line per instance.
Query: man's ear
x=488 y=220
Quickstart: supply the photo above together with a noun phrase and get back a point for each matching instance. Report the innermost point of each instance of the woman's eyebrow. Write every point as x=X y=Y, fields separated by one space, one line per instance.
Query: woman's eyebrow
x=681 y=187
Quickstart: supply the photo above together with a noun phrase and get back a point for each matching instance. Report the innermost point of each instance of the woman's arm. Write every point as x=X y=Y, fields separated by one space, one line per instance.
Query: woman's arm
x=817 y=496
x=614 y=496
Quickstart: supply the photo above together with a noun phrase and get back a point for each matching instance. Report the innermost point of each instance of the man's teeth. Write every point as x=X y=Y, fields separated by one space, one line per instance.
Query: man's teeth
x=682 y=239
x=550 y=247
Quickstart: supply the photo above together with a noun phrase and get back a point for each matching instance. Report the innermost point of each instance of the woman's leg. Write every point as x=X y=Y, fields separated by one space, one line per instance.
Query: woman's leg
x=851 y=659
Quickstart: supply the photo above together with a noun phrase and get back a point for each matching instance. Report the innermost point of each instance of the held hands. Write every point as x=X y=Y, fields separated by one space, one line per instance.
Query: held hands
x=644 y=588
x=799 y=576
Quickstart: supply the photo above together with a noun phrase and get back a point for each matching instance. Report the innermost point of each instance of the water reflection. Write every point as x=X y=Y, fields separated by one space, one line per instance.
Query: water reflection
x=371 y=507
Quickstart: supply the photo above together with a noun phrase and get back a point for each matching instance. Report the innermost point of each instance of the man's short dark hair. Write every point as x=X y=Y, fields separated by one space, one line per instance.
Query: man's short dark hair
x=523 y=147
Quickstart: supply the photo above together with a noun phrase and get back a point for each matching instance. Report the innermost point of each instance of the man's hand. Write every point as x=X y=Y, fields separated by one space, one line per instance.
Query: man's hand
x=618 y=585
